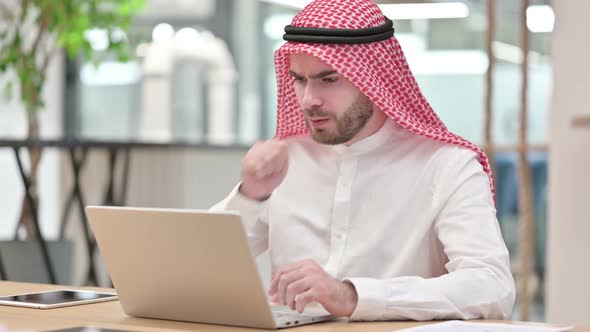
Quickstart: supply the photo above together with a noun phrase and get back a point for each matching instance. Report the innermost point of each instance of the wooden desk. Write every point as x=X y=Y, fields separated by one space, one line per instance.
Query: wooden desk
x=110 y=315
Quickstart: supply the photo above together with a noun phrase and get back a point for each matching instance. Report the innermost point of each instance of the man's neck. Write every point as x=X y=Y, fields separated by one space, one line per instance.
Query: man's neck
x=372 y=126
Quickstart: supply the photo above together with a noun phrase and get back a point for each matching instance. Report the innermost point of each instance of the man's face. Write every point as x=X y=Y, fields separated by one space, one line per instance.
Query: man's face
x=335 y=110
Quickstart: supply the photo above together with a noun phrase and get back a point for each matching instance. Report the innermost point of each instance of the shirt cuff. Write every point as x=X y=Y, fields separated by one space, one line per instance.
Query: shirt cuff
x=371 y=295
x=245 y=205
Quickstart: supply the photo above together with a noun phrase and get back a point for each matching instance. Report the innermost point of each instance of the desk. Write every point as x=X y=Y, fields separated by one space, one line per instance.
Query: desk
x=77 y=150
x=110 y=315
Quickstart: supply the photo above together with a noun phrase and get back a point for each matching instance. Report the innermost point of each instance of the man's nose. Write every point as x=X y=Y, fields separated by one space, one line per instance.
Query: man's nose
x=311 y=97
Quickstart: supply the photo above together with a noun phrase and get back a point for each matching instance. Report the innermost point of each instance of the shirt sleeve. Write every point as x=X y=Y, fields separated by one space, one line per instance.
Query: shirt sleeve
x=253 y=214
x=479 y=283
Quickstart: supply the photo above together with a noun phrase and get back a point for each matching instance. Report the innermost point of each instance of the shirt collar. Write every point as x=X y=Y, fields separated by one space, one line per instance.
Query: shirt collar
x=370 y=143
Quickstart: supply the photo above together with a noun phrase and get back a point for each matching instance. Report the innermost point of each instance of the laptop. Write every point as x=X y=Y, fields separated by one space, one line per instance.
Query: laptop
x=187 y=265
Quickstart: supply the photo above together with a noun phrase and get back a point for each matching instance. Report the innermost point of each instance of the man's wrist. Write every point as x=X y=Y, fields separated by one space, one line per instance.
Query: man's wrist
x=350 y=297
x=244 y=192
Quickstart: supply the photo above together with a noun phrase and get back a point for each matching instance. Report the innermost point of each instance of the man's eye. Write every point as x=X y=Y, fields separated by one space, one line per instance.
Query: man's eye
x=330 y=79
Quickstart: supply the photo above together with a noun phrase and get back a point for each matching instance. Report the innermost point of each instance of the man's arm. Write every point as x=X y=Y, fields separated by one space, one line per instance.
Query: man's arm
x=253 y=214
x=479 y=283
x=264 y=167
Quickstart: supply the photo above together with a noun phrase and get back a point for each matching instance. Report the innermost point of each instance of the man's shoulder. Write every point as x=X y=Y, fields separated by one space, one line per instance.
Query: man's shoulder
x=441 y=153
x=454 y=152
x=454 y=164
x=441 y=159
x=453 y=160
x=450 y=166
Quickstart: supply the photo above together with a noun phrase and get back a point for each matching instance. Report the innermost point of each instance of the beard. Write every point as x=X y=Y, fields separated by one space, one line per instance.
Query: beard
x=348 y=125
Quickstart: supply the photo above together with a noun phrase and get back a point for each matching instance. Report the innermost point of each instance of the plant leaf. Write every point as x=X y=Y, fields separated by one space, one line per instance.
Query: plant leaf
x=67 y=21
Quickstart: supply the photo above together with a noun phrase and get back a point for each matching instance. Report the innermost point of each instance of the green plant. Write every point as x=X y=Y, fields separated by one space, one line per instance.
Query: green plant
x=33 y=31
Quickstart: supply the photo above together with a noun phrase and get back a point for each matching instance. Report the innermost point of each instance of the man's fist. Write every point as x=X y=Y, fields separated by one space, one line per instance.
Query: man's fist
x=263 y=168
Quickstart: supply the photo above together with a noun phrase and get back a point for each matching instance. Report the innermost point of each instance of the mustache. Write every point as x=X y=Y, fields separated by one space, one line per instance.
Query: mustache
x=317 y=112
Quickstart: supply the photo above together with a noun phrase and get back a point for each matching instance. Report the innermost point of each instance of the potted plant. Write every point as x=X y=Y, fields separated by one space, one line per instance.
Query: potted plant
x=32 y=32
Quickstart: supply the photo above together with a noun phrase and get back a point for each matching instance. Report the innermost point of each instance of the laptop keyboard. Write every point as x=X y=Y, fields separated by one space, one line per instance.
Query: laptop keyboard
x=289 y=314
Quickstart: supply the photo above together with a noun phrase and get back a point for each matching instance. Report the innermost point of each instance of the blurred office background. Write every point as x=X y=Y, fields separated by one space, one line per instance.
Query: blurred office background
x=202 y=73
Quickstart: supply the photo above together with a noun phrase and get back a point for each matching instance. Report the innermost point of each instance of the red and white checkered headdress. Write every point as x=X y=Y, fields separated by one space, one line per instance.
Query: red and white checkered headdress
x=378 y=69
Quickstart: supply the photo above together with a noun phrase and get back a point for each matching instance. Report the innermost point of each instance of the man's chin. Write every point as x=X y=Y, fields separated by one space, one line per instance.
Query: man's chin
x=327 y=138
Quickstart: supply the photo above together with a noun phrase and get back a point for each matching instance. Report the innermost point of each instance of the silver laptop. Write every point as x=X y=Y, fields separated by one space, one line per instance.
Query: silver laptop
x=187 y=265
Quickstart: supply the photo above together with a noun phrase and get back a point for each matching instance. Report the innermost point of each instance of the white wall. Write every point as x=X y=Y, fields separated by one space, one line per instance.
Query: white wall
x=568 y=274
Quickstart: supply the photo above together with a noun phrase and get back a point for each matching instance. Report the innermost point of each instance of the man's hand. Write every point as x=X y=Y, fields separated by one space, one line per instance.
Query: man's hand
x=300 y=283
x=263 y=169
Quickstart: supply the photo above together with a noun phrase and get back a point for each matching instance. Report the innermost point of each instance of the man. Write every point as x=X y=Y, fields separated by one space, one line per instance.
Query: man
x=367 y=204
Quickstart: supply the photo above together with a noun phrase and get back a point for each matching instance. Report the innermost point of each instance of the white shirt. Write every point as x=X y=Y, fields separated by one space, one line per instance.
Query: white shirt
x=409 y=221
